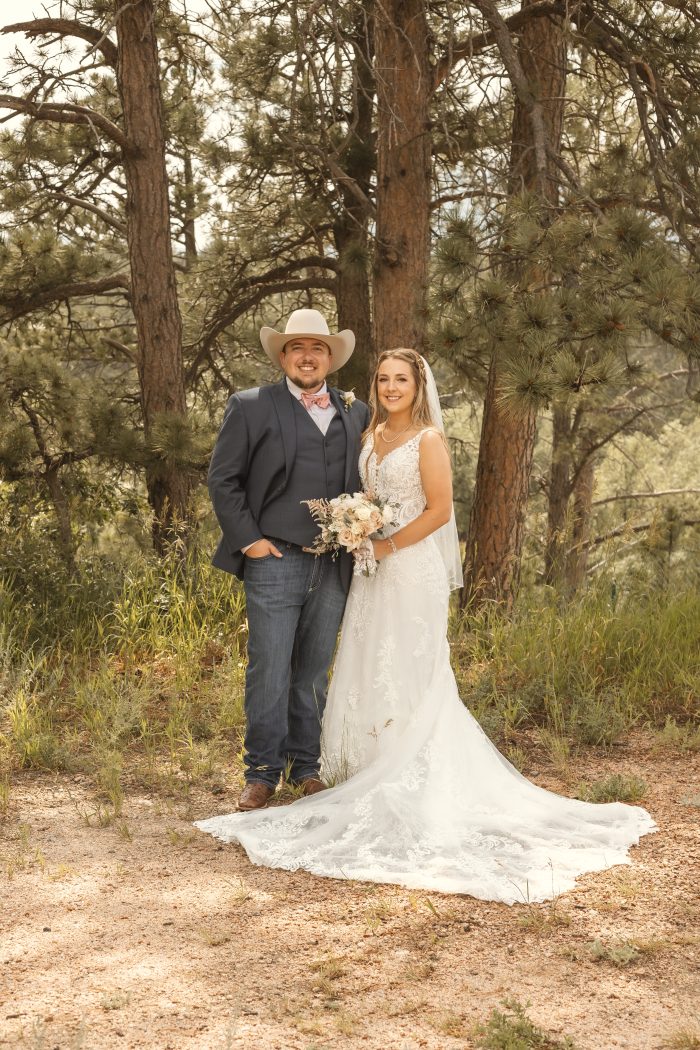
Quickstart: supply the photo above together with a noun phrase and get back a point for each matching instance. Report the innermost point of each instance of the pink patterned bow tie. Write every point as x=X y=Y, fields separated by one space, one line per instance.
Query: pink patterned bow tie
x=322 y=400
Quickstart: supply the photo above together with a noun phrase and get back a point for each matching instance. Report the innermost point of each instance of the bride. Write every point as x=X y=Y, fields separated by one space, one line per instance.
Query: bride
x=421 y=797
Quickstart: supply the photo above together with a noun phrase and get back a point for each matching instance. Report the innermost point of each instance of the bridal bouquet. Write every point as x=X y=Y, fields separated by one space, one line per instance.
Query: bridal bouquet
x=347 y=522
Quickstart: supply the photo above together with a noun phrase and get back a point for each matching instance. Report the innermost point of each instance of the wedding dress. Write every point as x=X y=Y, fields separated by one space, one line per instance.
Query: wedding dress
x=423 y=798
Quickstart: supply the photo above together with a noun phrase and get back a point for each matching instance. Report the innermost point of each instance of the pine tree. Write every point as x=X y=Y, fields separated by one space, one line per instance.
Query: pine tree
x=551 y=294
x=151 y=286
x=56 y=420
x=537 y=70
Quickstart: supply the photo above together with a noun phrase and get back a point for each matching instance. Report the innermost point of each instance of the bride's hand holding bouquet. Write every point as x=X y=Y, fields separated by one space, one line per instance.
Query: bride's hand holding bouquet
x=347 y=523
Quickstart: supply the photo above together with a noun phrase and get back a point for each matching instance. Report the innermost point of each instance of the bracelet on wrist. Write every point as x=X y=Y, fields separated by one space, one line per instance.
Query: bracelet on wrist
x=394 y=548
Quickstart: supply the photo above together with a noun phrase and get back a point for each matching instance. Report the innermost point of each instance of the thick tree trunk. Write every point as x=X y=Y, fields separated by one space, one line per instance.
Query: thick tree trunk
x=154 y=290
x=353 y=303
x=496 y=525
x=351 y=228
x=404 y=87
x=542 y=54
x=559 y=493
x=494 y=541
x=577 y=557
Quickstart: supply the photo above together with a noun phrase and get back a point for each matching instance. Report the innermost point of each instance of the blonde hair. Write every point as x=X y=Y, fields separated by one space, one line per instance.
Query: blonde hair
x=420 y=412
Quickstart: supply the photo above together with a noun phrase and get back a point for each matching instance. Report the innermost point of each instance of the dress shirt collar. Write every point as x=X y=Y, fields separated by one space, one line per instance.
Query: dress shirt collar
x=296 y=391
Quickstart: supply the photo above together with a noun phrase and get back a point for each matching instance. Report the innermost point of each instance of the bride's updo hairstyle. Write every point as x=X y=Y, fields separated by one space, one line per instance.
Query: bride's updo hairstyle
x=420 y=413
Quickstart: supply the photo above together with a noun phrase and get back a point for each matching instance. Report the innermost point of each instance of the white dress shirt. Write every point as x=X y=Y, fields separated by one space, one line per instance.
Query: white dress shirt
x=321 y=416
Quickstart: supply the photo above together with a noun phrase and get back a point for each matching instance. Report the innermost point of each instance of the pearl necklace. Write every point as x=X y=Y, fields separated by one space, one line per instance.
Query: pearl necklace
x=390 y=441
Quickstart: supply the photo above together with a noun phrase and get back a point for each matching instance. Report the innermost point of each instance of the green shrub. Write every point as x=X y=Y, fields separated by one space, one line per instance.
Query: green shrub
x=684 y=737
x=511 y=1029
x=615 y=788
x=619 y=955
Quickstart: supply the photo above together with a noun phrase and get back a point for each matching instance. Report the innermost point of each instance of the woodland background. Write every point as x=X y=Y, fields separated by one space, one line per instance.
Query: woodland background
x=511 y=190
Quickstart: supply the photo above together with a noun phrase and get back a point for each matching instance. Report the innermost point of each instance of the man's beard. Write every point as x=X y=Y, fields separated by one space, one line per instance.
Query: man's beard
x=307 y=382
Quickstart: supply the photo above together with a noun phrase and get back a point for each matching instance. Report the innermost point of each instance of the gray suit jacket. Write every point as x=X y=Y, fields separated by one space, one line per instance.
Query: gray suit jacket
x=252 y=459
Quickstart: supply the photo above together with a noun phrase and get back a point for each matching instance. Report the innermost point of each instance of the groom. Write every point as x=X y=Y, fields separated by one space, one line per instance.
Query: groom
x=280 y=445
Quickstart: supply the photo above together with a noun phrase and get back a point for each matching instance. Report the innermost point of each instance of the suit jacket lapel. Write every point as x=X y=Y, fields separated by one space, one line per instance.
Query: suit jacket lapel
x=351 y=452
x=282 y=400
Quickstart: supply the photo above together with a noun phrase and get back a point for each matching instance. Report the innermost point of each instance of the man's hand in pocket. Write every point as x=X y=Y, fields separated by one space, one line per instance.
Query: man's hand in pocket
x=261 y=549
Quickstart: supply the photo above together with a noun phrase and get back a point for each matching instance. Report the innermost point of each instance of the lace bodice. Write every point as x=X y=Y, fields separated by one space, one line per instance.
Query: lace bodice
x=395 y=478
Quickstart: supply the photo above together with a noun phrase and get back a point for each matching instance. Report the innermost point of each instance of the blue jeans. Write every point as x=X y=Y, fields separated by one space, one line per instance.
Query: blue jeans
x=295 y=605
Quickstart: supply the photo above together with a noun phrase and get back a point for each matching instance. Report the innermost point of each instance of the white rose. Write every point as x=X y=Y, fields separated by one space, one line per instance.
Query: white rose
x=347 y=539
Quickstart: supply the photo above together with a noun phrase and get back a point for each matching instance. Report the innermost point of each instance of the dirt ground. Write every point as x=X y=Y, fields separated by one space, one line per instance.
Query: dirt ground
x=147 y=933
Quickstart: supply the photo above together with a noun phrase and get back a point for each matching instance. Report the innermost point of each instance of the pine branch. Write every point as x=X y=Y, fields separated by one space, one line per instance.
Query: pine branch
x=340 y=176
x=20 y=307
x=468 y=193
x=17 y=473
x=68 y=27
x=644 y=527
x=478 y=42
x=640 y=388
x=35 y=426
x=592 y=448
x=226 y=316
x=645 y=495
x=572 y=179
x=63 y=458
x=116 y=344
x=67 y=113
x=343 y=179
x=652 y=146
x=241 y=285
x=77 y=202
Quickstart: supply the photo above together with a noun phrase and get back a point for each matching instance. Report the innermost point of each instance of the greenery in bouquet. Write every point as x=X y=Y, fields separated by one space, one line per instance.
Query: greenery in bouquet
x=348 y=521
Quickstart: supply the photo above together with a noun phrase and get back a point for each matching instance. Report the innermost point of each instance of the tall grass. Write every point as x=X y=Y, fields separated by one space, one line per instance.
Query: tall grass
x=146 y=666
x=142 y=671
x=590 y=670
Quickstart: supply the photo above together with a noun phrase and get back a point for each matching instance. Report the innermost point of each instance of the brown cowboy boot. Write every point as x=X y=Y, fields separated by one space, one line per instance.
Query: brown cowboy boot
x=255 y=795
x=312 y=786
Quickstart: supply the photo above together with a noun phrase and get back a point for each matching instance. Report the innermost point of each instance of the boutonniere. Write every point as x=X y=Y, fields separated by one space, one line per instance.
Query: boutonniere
x=348 y=398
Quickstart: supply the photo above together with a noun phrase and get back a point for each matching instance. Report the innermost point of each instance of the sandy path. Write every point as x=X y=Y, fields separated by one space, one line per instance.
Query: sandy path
x=168 y=939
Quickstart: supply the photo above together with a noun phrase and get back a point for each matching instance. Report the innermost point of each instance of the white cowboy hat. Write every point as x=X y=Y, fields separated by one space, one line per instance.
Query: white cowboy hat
x=308 y=324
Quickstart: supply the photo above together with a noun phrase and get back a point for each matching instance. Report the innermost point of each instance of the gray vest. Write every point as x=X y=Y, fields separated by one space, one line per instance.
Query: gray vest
x=318 y=472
